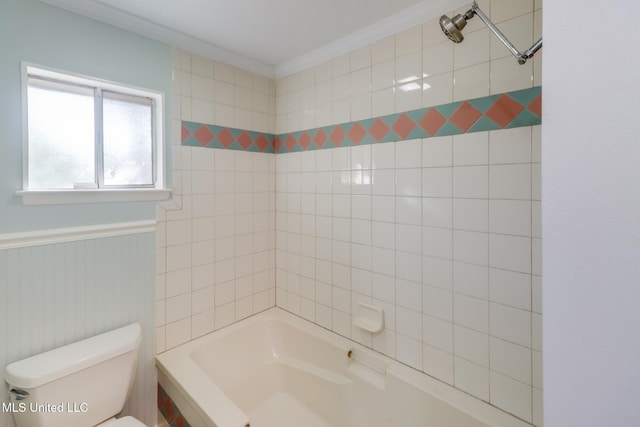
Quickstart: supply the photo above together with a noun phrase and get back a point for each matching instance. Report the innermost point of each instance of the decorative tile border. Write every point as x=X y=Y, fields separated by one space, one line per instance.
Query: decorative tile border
x=213 y=136
x=503 y=111
x=513 y=109
x=169 y=410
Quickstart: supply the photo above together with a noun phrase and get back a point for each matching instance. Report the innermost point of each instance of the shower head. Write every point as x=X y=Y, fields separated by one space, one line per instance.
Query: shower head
x=452 y=28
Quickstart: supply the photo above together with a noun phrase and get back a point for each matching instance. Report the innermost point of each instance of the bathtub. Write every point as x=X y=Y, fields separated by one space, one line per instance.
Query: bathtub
x=275 y=369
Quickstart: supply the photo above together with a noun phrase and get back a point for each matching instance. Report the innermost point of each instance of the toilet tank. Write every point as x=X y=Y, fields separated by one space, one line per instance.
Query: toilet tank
x=78 y=385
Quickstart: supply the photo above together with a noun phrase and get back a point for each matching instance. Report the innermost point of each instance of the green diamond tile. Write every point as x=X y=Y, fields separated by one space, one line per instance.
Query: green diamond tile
x=417 y=115
x=366 y=124
x=484 y=124
x=235 y=133
x=447 y=109
x=367 y=140
x=448 y=129
x=525 y=96
x=525 y=118
x=483 y=104
x=390 y=119
x=417 y=133
x=253 y=148
x=390 y=137
x=253 y=135
x=347 y=142
x=215 y=144
x=327 y=132
x=191 y=126
x=191 y=141
x=235 y=146
x=329 y=144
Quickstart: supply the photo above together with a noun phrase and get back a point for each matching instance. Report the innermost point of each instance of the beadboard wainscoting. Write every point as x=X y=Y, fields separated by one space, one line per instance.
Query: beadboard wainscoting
x=54 y=292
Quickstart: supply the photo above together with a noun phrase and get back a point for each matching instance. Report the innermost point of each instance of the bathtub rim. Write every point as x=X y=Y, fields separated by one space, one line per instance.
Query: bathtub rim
x=216 y=405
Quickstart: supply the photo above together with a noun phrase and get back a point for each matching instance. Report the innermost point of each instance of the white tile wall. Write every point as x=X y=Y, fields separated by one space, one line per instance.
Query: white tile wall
x=374 y=80
x=445 y=249
x=216 y=245
x=212 y=92
x=444 y=233
x=219 y=245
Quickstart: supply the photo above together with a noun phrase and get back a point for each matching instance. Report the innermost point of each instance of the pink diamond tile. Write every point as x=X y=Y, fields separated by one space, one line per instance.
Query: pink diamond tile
x=161 y=397
x=277 y=144
x=504 y=110
x=337 y=135
x=403 y=126
x=225 y=138
x=304 y=140
x=536 y=106
x=356 y=133
x=180 y=421
x=245 y=140
x=378 y=130
x=465 y=116
x=432 y=121
x=203 y=135
x=168 y=410
x=184 y=133
x=262 y=142
x=290 y=142
x=320 y=138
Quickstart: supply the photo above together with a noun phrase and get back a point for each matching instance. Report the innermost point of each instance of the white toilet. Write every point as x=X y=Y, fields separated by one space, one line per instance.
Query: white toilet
x=83 y=384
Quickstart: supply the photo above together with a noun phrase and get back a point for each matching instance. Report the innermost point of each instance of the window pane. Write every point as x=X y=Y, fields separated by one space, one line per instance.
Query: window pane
x=128 y=153
x=61 y=134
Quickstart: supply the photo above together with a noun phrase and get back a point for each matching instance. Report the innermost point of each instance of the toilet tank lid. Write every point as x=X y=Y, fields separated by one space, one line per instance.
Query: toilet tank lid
x=51 y=365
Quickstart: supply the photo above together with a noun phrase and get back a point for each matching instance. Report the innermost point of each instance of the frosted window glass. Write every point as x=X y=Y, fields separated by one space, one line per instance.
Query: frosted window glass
x=61 y=135
x=90 y=134
x=128 y=155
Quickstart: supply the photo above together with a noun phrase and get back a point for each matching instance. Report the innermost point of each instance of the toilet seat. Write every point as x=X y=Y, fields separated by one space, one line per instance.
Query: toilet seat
x=122 y=422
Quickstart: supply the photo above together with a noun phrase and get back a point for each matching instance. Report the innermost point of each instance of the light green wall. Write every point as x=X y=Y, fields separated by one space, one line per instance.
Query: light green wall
x=35 y=32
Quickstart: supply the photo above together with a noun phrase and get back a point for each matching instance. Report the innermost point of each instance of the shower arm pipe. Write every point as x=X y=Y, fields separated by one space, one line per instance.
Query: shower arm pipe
x=521 y=57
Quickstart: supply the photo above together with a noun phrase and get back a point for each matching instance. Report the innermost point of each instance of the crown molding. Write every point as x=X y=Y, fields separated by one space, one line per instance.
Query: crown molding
x=389 y=26
x=118 y=18
x=393 y=24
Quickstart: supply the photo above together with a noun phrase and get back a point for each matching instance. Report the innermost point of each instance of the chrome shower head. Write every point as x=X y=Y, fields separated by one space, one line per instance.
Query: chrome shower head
x=452 y=27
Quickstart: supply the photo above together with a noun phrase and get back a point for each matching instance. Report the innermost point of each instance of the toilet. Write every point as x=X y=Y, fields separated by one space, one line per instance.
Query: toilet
x=84 y=384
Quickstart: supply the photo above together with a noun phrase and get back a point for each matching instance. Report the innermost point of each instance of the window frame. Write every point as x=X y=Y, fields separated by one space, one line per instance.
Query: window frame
x=102 y=193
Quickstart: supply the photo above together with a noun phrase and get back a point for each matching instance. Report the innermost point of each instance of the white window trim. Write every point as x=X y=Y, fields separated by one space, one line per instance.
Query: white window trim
x=39 y=196
x=74 y=196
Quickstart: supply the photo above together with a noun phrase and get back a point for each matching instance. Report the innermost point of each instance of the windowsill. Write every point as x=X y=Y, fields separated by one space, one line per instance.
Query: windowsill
x=75 y=196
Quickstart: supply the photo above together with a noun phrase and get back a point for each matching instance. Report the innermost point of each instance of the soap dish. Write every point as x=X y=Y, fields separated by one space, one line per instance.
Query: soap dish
x=369 y=317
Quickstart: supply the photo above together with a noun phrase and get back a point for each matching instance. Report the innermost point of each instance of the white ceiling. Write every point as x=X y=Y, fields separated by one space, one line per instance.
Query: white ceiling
x=269 y=37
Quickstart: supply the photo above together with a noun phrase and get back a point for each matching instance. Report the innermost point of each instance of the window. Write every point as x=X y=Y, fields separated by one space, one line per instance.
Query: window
x=88 y=140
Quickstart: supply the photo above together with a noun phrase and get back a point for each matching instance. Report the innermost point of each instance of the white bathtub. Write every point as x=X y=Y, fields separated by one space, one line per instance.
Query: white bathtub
x=277 y=370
